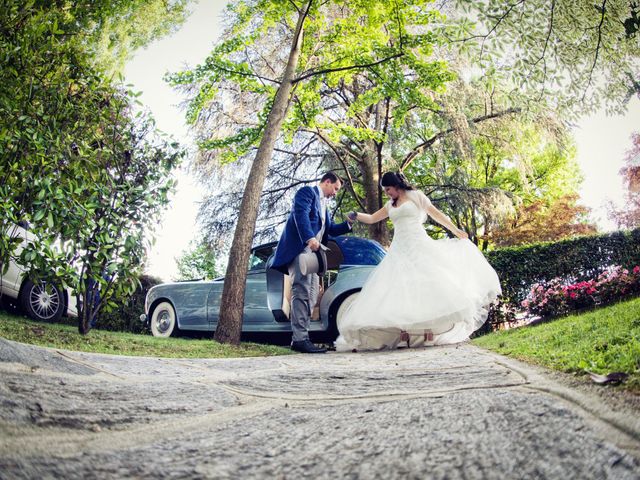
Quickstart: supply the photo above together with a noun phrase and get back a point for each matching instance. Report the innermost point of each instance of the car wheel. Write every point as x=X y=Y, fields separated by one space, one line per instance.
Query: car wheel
x=331 y=333
x=344 y=306
x=163 y=320
x=42 y=301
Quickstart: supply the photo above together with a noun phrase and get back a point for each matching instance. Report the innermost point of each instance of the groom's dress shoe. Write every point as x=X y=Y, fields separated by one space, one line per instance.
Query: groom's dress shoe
x=305 y=346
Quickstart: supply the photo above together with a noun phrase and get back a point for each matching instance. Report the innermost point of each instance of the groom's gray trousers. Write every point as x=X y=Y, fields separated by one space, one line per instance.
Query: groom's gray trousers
x=304 y=295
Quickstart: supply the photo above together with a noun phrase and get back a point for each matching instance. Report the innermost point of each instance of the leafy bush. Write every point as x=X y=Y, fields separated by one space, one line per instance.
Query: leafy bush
x=541 y=271
x=126 y=317
x=577 y=259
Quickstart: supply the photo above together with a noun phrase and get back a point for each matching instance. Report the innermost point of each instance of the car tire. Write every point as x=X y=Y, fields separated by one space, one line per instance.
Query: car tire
x=42 y=301
x=344 y=306
x=163 y=321
x=331 y=333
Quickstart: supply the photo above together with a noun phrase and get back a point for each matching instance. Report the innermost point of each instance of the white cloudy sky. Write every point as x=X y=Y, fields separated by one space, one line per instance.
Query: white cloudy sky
x=601 y=140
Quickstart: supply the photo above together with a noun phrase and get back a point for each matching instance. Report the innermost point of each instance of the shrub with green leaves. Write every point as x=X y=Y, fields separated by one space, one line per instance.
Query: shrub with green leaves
x=550 y=267
x=77 y=163
x=576 y=259
x=125 y=317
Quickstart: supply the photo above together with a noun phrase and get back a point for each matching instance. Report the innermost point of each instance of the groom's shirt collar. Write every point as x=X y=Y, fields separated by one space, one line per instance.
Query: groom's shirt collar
x=320 y=192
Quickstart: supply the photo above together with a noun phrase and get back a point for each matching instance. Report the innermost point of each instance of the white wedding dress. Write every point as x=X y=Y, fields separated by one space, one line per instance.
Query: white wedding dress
x=424 y=292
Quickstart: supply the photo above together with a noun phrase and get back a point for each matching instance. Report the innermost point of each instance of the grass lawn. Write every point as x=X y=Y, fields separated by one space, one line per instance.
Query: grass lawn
x=603 y=341
x=21 y=329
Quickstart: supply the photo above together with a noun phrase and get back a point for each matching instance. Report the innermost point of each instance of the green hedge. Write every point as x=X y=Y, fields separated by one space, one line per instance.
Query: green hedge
x=577 y=259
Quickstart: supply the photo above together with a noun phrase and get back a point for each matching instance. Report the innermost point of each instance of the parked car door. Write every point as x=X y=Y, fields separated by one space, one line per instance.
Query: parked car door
x=13 y=277
x=256 y=307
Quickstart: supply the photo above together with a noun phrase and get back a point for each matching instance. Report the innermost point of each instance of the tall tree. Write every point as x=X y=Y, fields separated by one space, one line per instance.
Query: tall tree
x=390 y=40
x=232 y=301
x=511 y=163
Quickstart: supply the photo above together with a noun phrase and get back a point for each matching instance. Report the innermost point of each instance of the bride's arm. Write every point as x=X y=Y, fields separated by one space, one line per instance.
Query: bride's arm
x=443 y=220
x=373 y=218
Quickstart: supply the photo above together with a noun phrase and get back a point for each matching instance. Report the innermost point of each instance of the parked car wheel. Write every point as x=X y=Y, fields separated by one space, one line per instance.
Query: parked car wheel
x=42 y=301
x=344 y=306
x=332 y=332
x=163 y=320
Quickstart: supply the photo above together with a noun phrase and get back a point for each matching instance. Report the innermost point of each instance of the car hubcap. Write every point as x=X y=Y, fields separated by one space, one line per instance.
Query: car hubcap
x=44 y=300
x=163 y=321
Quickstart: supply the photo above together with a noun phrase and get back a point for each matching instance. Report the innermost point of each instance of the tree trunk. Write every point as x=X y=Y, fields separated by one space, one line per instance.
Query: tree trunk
x=232 y=302
x=370 y=170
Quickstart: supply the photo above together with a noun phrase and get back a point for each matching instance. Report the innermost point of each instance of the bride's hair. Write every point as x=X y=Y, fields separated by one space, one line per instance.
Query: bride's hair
x=397 y=180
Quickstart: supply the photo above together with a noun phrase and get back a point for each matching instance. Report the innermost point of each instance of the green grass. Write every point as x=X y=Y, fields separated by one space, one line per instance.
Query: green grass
x=603 y=341
x=21 y=329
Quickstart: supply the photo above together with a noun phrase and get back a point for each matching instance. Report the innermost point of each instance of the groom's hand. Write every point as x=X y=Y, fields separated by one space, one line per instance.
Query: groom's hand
x=314 y=244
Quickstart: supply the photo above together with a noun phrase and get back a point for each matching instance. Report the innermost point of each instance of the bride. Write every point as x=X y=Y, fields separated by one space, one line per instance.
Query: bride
x=425 y=291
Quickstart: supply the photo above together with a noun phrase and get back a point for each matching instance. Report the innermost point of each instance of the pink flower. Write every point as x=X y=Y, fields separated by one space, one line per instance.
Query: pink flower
x=636 y=270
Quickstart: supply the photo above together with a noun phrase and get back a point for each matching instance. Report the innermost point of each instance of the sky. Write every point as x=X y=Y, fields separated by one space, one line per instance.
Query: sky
x=601 y=140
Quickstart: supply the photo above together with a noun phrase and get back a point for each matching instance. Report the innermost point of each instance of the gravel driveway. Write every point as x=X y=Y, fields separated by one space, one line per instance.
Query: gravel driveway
x=455 y=412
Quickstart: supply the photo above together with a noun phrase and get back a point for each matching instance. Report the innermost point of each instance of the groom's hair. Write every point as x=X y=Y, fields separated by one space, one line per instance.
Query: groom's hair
x=331 y=177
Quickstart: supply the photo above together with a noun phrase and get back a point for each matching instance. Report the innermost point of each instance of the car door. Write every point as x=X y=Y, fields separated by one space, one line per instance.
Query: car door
x=256 y=308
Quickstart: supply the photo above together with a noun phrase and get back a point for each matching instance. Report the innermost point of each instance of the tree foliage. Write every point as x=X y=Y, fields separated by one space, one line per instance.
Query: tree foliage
x=512 y=164
x=571 y=55
x=629 y=215
x=544 y=221
x=340 y=40
x=197 y=262
x=97 y=174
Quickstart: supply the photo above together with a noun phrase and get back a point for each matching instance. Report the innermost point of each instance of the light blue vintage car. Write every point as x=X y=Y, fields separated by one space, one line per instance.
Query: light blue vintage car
x=195 y=305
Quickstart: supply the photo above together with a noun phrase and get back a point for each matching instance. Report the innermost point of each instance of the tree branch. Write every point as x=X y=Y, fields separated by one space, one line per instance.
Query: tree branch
x=287 y=187
x=595 y=58
x=544 y=50
x=356 y=197
x=418 y=149
x=342 y=69
x=245 y=74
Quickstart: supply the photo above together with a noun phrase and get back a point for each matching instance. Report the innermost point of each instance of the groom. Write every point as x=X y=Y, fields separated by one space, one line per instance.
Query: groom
x=308 y=225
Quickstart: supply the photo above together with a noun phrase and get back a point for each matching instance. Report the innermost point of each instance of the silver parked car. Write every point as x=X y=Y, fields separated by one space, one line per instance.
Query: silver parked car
x=42 y=301
x=194 y=305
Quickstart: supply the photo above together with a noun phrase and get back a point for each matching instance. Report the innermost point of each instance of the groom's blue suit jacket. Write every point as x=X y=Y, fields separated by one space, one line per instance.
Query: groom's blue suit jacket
x=304 y=223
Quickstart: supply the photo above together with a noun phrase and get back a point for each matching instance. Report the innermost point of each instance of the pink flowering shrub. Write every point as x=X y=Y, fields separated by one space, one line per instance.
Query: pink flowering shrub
x=559 y=296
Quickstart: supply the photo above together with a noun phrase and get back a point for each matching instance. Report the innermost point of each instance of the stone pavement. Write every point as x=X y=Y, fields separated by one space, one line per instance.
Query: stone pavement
x=455 y=412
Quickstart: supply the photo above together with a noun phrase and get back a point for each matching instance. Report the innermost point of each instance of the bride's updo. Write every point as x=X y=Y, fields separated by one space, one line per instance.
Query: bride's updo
x=397 y=180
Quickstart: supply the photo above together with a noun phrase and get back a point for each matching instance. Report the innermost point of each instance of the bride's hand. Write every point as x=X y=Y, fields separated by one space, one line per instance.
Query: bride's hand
x=461 y=234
